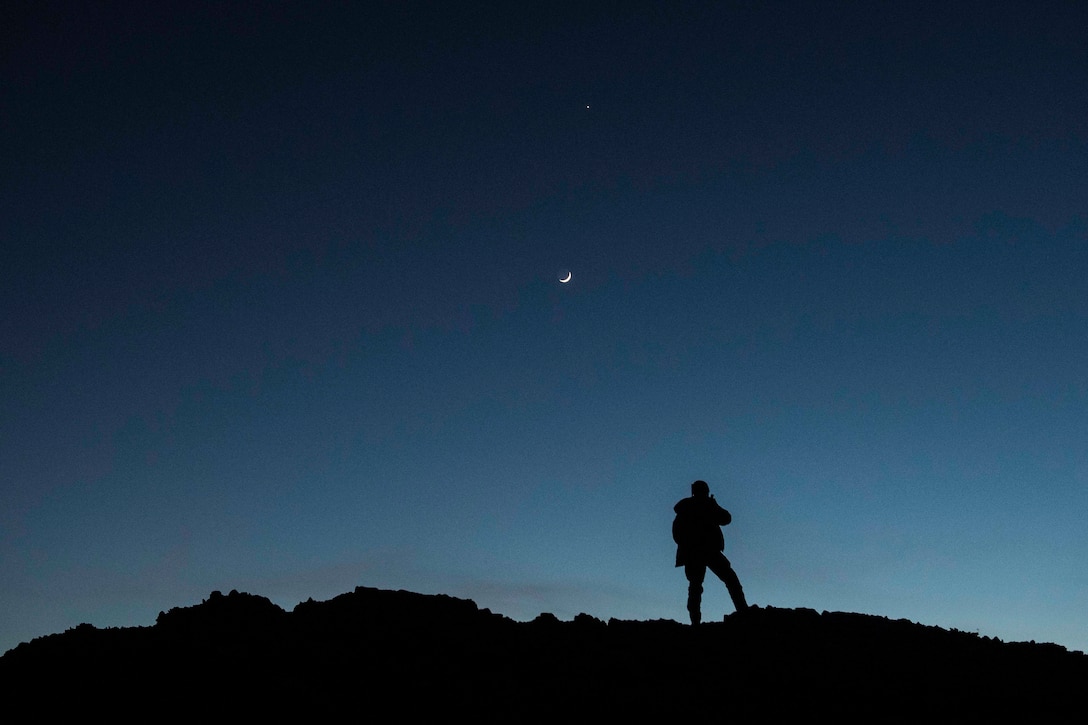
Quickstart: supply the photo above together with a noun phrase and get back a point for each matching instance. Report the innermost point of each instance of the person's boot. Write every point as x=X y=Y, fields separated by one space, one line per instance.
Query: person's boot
x=736 y=593
x=694 y=612
x=695 y=600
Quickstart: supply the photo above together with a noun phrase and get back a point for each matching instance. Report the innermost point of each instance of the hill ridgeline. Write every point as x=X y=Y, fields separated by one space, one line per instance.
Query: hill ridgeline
x=384 y=653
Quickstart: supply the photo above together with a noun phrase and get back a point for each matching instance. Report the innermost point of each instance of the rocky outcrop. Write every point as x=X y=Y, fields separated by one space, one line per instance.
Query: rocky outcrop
x=405 y=654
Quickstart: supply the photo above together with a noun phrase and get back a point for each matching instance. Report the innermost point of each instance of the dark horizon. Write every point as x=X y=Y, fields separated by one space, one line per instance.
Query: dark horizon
x=367 y=649
x=252 y=610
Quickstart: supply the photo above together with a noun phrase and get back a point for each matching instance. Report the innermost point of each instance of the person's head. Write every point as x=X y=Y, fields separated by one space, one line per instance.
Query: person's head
x=699 y=488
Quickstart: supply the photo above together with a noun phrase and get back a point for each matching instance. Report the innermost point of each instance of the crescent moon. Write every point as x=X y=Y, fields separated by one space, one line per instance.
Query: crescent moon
x=564 y=278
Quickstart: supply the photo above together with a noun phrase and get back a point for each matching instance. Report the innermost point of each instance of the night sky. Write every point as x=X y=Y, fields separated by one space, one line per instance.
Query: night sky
x=280 y=306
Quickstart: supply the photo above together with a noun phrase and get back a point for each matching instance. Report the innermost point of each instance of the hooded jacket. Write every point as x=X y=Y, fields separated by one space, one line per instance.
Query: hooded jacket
x=697 y=528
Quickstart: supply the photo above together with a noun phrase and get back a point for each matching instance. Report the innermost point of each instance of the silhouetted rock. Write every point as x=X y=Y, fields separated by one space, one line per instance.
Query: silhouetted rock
x=236 y=612
x=374 y=651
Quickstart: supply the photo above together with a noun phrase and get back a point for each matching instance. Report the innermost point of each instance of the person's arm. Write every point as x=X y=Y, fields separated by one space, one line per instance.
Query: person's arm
x=723 y=517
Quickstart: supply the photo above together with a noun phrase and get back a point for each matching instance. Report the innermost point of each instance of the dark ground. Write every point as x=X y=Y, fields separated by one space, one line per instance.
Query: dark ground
x=400 y=654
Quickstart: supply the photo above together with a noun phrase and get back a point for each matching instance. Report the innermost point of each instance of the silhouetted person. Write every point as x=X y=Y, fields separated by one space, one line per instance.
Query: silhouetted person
x=699 y=546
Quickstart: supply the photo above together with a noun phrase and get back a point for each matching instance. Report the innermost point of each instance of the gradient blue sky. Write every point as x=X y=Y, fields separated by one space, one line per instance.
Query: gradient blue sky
x=280 y=306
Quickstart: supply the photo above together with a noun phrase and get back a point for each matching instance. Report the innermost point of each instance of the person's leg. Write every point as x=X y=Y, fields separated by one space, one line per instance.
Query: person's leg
x=695 y=574
x=724 y=571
